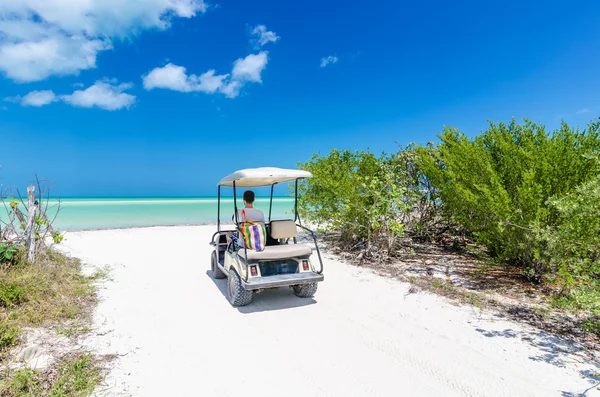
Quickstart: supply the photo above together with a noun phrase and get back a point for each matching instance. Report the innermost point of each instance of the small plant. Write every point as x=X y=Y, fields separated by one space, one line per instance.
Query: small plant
x=437 y=283
x=71 y=331
x=28 y=221
x=10 y=294
x=25 y=382
x=64 y=331
x=543 y=312
x=40 y=221
x=443 y=286
x=8 y=335
x=592 y=325
x=8 y=253
x=57 y=237
x=78 y=376
x=101 y=273
x=475 y=300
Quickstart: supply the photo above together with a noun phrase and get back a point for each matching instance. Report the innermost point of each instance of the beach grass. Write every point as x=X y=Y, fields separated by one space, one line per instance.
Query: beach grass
x=47 y=293
x=73 y=376
x=50 y=293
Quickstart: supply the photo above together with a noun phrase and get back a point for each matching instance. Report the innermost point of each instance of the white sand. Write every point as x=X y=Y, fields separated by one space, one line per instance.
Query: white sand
x=362 y=335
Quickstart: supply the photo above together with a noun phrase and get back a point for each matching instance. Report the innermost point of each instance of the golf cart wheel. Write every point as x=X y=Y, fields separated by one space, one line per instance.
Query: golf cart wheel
x=237 y=295
x=216 y=270
x=305 y=290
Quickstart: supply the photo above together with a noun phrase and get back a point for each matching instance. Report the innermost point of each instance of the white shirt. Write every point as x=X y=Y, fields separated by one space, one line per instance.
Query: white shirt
x=252 y=214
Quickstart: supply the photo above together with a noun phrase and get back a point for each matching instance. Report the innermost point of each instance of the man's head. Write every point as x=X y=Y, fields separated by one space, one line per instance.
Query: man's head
x=248 y=198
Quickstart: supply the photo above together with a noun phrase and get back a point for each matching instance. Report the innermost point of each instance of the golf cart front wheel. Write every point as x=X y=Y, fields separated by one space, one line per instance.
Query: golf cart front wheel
x=214 y=267
x=305 y=290
x=237 y=295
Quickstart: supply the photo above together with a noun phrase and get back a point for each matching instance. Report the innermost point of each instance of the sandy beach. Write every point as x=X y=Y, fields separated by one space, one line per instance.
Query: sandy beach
x=362 y=335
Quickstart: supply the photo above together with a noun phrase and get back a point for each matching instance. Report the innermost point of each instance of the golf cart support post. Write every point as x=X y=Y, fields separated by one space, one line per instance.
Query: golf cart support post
x=260 y=177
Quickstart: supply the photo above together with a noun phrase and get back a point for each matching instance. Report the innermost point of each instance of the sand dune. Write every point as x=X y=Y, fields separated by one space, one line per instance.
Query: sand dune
x=362 y=334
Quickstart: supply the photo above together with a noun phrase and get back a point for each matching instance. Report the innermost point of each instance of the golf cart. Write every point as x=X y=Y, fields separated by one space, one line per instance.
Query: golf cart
x=283 y=263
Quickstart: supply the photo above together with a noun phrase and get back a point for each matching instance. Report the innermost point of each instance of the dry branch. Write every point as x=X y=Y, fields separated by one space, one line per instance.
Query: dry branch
x=19 y=215
x=30 y=229
x=31 y=226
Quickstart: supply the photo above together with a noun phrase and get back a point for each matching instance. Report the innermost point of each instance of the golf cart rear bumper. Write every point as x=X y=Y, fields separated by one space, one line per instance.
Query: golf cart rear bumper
x=283 y=280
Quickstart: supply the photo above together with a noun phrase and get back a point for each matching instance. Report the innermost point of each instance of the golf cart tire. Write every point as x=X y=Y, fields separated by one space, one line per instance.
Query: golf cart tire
x=236 y=293
x=305 y=290
x=214 y=267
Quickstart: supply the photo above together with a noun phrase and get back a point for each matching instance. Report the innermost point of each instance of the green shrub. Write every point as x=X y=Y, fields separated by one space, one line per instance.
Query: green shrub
x=367 y=200
x=498 y=184
x=573 y=246
x=9 y=253
x=8 y=335
x=10 y=294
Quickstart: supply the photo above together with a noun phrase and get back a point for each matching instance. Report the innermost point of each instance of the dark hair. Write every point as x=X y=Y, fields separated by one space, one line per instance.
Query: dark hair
x=249 y=196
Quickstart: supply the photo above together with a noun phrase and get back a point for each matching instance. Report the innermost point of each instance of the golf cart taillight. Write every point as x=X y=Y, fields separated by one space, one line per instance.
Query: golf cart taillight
x=305 y=265
x=253 y=270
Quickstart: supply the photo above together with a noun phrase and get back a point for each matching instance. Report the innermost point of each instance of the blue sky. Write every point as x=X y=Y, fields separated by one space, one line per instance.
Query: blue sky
x=165 y=97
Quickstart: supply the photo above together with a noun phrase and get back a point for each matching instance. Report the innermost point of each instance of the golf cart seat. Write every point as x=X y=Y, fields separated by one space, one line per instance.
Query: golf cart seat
x=276 y=252
x=281 y=230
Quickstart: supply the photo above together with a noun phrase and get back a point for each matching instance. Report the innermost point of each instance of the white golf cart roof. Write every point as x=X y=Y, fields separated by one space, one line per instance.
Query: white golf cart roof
x=264 y=176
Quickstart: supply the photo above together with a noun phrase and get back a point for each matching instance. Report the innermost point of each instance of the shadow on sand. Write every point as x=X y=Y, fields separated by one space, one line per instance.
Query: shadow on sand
x=555 y=351
x=269 y=300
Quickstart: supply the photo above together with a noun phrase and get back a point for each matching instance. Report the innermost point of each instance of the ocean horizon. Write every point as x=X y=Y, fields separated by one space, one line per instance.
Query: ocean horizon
x=89 y=213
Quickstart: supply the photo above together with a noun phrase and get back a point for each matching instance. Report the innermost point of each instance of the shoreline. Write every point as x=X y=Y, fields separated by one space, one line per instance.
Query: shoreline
x=144 y=227
x=139 y=227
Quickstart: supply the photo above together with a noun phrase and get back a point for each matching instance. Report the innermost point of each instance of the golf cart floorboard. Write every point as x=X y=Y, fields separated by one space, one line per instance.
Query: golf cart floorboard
x=282 y=280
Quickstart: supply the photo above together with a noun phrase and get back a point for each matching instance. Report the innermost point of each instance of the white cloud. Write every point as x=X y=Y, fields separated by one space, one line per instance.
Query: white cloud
x=40 y=38
x=103 y=95
x=263 y=36
x=173 y=77
x=583 y=111
x=250 y=68
x=245 y=70
x=38 y=98
x=231 y=89
x=331 y=59
x=108 y=80
x=13 y=99
x=107 y=95
x=33 y=61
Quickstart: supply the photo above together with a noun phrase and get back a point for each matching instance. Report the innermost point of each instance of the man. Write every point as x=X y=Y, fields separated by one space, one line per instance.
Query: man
x=252 y=214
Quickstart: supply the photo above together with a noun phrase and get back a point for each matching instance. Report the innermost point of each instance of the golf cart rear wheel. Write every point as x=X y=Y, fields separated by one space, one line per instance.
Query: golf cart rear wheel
x=236 y=293
x=305 y=290
x=214 y=267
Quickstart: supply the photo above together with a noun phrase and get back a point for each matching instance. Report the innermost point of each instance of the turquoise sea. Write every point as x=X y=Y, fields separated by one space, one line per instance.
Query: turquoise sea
x=106 y=213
